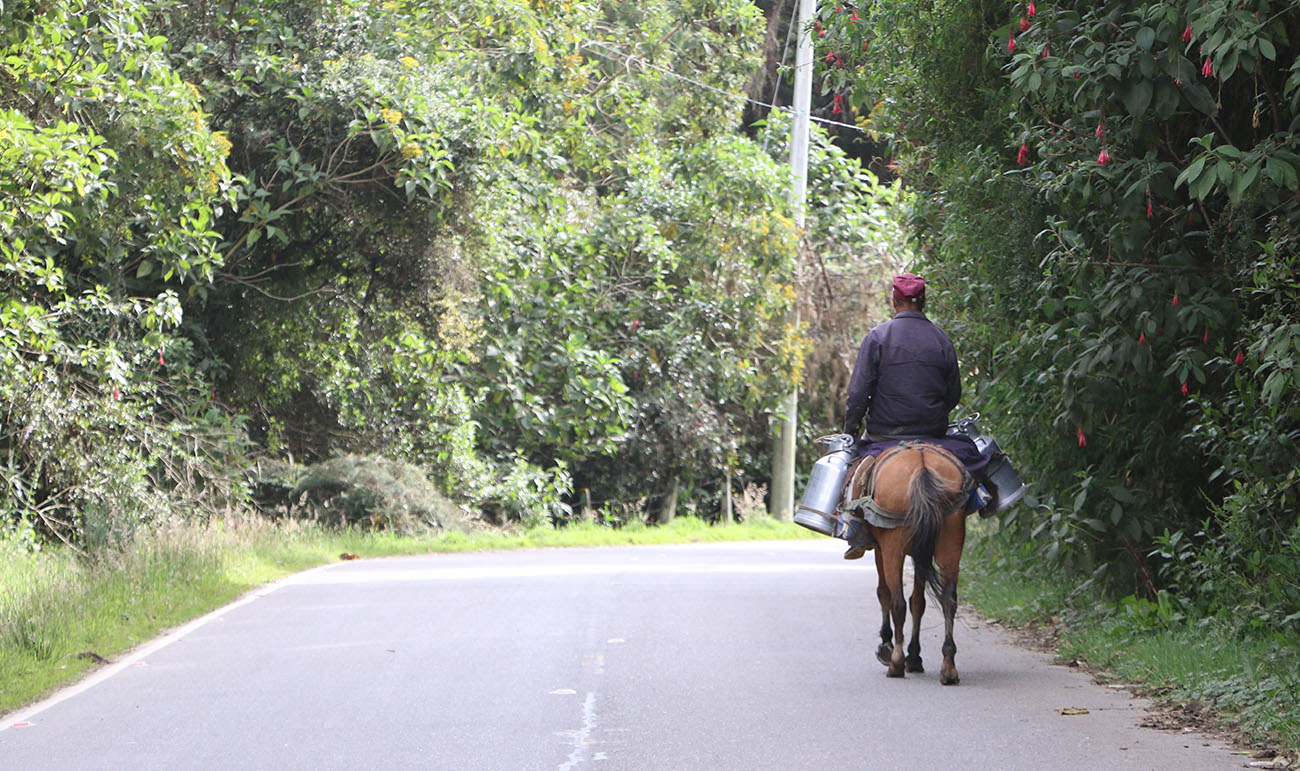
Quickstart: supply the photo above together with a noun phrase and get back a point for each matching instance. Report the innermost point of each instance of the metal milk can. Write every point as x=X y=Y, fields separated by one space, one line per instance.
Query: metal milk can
x=999 y=469
x=816 y=511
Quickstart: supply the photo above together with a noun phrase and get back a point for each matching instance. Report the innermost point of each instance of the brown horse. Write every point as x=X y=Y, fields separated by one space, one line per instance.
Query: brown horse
x=917 y=496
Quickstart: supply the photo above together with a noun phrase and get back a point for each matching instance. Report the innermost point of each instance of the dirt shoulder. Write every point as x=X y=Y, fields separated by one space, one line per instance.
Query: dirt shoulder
x=1170 y=714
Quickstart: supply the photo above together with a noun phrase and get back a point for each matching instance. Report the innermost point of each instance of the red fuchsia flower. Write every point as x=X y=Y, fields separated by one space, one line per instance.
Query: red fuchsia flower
x=866 y=44
x=1024 y=24
x=117 y=395
x=1175 y=300
x=1083 y=440
x=1101 y=129
x=636 y=323
x=1023 y=156
x=839 y=9
x=1044 y=52
x=1239 y=358
x=1031 y=10
x=830 y=57
x=853 y=17
x=1148 y=210
x=1103 y=157
x=1205 y=338
x=161 y=361
x=1207 y=69
x=1011 y=43
x=1142 y=337
x=1184 y=389
x=1187 y=34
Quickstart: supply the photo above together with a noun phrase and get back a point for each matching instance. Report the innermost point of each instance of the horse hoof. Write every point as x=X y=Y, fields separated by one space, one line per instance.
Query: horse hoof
x=950 y=679
x=894 y=672
x=884 y=654
x=914 y=664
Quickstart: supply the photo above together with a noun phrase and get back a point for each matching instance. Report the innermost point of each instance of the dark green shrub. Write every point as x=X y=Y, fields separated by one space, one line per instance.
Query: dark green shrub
x=372 y=492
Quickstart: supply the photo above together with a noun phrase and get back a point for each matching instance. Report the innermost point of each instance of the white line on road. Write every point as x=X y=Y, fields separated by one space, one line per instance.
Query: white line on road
x=582 y=736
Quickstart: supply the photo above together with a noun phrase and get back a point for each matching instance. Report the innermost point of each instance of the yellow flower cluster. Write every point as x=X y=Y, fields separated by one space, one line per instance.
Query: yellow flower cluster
x=409 y=61
x=222 y=143
x=391 y=117
x=411 y=150
x=210 y=183
x=456 y=330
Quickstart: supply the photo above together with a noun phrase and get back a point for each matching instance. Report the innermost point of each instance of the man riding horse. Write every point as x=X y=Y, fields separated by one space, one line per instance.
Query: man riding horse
x=904 y=383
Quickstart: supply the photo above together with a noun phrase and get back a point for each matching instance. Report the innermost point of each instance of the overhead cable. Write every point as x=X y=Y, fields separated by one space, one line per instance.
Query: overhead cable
x=616 y=55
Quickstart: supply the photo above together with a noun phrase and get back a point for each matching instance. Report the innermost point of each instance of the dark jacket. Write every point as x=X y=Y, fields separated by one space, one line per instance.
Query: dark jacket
x=905 y=381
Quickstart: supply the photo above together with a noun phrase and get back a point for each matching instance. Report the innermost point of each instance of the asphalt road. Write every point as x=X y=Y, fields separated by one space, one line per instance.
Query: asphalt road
x=729 y=656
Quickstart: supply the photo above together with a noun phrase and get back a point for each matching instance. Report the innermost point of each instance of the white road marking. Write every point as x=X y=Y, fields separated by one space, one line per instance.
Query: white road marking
x=582 y=737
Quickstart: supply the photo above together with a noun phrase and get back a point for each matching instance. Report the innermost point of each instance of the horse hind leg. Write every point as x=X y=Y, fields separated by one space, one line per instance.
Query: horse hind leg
x=949 y=557
x=886 y=649
x=898 y=608
x=892 y=576
x=948 y=598
x=913 y=660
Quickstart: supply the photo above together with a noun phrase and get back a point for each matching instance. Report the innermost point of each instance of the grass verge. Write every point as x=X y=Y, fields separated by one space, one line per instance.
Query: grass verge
x=1210 y=672
x=60 y=613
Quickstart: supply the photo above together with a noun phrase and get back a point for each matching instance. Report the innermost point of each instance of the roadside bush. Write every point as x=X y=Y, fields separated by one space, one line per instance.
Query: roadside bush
x=373 y=493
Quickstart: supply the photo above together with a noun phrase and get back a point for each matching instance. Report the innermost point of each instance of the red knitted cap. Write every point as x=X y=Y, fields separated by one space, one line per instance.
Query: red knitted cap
x=909 y=287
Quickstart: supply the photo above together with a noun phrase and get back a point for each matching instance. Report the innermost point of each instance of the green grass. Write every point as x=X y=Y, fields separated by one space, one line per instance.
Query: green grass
x=55 y=605
x=1247 y=684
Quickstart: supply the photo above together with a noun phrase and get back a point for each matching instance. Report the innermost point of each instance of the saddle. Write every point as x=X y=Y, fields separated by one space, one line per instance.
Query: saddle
x=866 y=469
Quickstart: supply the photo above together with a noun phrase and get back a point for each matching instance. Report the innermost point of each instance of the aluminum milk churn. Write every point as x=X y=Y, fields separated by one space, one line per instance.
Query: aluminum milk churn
x=999 y=469
x=825 y=484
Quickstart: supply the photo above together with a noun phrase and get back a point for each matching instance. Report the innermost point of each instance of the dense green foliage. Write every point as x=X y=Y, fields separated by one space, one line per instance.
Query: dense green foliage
x=502 y=242
x=110 y=180
x=1106 y=197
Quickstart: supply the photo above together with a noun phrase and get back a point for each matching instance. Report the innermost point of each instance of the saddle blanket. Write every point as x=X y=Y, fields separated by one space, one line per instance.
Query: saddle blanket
x=959 y=445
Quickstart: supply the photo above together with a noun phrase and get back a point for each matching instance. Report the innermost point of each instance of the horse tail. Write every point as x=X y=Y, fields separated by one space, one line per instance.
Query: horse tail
x=928 y=502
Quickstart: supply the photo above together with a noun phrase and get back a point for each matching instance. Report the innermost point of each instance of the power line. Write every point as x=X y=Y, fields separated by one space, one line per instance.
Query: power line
x=616 y=55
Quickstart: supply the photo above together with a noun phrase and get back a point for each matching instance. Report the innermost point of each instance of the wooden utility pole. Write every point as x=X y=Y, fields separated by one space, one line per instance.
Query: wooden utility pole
x=783 y=454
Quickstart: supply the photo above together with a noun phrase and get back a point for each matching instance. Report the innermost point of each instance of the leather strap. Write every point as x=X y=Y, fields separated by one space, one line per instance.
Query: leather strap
x=880 y=517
